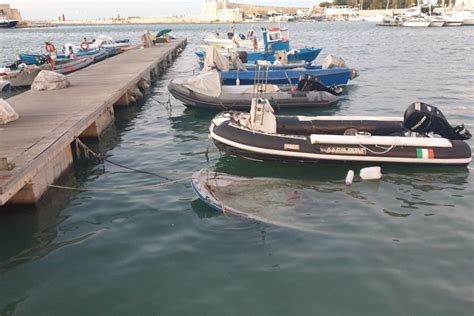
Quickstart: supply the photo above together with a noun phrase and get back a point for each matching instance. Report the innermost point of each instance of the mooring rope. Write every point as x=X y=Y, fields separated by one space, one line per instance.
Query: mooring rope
x=101 y=158
x=113 y=189
x=89 y=152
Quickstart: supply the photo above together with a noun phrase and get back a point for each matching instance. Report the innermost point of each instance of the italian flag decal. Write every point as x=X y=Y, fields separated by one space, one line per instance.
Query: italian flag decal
x=424 y=153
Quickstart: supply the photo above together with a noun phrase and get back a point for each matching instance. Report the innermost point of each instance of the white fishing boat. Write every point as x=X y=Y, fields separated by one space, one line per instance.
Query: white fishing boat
x=416 y=22
x=232 y=40
x=453 y=21
x=436 y=21
x=465 y=15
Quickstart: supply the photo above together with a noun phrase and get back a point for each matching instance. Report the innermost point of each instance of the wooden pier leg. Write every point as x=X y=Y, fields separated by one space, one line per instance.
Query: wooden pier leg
x=48 y=174
x=101 y=123
x=125 y=100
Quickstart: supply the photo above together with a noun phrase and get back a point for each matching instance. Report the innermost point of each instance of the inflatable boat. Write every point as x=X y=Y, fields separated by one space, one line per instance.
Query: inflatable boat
x=422 y=137
x=206 y=91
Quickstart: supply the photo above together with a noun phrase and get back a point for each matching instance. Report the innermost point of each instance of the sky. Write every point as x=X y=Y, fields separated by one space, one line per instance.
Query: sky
x=93 y=9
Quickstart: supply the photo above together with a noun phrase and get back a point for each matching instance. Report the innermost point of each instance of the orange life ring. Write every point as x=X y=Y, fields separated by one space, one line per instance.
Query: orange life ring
x=284 y=39
x=84 y=45
x=50 y=48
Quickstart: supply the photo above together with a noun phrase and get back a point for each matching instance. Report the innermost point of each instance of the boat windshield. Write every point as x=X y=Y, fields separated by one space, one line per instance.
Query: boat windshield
x=274 y=36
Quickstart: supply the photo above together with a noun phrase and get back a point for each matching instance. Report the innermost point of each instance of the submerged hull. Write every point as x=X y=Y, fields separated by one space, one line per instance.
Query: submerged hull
x=300 y=139
x=329 y=77
x=243 y=101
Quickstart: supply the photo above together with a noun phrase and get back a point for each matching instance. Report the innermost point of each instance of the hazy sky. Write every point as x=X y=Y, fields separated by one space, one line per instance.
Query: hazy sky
x=83 y=9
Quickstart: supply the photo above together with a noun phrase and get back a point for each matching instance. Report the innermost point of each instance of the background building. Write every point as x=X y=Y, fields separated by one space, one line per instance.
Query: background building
x=10 y=13
x=218 y=10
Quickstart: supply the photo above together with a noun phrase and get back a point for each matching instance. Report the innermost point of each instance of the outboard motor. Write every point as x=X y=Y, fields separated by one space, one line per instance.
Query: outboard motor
x=243 y=56
x=423 y=118
x=312 y=83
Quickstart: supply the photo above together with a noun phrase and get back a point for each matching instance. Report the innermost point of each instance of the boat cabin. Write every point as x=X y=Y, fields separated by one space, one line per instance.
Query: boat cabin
x=275 y=39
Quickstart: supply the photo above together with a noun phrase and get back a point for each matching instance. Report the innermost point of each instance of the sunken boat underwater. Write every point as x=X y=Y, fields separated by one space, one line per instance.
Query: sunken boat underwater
x=422 y=137
x=207 y=91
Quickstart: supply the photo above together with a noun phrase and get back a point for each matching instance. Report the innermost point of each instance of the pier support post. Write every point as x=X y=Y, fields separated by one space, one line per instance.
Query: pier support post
x=48 y=174
x=100 y=124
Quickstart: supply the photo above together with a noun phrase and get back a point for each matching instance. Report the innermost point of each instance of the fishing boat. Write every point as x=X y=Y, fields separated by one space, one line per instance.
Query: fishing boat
x=275 y=40
x=466 y=15
x=233 y=40
x=31 y=59
x=101 y=42
x=337 y=76
x=416 y=22
x=206 y=91
x=22 y=76
x=7 y=23
x=453 y=21
x=71 y=65
x=436 y=21
x=422 y=137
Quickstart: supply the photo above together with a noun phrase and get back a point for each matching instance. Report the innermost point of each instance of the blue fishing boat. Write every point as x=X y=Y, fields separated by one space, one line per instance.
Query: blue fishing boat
x=338 y=76
x=276 y=41
x=32 y=59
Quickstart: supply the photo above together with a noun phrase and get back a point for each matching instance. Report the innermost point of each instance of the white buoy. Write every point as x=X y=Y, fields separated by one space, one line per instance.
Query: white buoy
x=371 y=173
x=349 y=177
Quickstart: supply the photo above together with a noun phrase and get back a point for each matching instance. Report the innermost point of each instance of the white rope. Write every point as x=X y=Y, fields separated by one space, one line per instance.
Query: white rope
x=113 y=189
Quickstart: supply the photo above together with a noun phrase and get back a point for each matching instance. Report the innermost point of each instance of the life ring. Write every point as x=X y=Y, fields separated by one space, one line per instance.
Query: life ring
x=270 y=48
x=284 y=39
x=50 y=48
x=84 y=45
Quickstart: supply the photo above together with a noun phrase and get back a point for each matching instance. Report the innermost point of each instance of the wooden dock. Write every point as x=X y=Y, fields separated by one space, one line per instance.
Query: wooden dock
x=36 y=149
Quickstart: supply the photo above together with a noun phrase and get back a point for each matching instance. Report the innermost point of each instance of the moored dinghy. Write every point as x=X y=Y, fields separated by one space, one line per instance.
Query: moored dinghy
x=262 y=135
x=206 y=91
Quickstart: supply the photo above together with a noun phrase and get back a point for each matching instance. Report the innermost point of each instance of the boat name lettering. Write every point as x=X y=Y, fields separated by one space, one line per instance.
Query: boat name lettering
x=344 y=150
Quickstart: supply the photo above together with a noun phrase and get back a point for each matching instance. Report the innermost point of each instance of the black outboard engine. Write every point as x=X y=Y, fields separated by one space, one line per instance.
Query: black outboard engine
x=312 y=83
x=423 y=118
x=243 y=56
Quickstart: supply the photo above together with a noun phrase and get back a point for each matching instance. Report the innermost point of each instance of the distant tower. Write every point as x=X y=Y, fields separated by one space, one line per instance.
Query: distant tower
x=209 y=9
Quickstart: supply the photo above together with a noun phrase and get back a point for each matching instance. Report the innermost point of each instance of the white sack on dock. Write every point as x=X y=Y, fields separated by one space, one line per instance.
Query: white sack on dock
x=208 y=83
x=7 y=113
x=50 y=80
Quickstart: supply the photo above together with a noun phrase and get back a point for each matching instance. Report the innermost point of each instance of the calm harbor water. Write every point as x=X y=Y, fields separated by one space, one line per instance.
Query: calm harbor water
x=400 y=246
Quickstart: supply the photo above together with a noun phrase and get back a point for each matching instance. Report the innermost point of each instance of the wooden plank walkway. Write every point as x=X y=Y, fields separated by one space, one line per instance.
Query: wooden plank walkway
x=38 y=143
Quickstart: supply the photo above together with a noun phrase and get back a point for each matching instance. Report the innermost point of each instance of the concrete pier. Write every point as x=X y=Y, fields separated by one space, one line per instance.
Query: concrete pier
x=36 y=149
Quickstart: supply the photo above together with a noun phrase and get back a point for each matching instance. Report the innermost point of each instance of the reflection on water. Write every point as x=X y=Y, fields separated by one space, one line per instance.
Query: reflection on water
x=308 y=205
x=29 y=232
